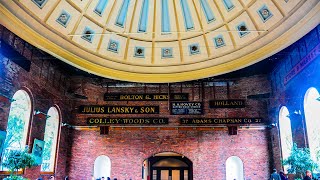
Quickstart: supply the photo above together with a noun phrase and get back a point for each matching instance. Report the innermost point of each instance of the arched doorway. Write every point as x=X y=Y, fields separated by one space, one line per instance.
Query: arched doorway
x=168 y=166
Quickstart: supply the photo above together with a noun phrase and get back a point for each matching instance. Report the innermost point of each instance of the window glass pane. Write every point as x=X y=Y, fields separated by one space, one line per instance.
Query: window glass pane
x=170 y=162
x=175 y=175
x=50 y=139
x=164 y=175
x=154 y=174
x=285 y=134
x=312 y=109
x=18 y=124
x=185 y=174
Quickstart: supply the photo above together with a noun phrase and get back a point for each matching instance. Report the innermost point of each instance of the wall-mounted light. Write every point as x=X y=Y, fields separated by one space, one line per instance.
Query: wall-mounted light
x=295 y=113
x=40 y=115
x=63 y=124
x=272 y=125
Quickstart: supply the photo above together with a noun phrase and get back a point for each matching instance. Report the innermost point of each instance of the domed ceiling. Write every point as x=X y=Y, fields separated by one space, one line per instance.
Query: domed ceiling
x=160 y=40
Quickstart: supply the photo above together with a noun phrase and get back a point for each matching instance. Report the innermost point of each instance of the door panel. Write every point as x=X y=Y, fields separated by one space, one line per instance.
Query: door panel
x=165 y=175
x=154 y=174
x=185 y=175
x=175 y=174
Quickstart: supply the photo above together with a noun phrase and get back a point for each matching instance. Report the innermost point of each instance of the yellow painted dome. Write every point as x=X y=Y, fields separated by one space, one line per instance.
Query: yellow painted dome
x=160 y=40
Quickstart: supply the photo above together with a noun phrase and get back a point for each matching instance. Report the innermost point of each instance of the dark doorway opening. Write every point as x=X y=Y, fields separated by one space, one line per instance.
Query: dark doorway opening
x=169 y=166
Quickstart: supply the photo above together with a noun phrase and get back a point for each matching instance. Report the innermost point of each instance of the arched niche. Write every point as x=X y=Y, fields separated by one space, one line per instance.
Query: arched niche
x=102 y=167
x=234 y=168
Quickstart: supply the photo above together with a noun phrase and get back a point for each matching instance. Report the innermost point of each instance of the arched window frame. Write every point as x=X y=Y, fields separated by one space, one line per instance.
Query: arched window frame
x=284 y=131
x=311 y=106
x=230 y=159
x=28 y=118
x=52 y=171
x=108 y=170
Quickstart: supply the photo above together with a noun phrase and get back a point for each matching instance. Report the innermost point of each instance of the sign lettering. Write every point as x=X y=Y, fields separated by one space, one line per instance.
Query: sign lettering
x=146 y=97
x=230 y=103
x=221 y=120
x=139 y=121
x=186 y=108
x=302 y=64
x=118 y=109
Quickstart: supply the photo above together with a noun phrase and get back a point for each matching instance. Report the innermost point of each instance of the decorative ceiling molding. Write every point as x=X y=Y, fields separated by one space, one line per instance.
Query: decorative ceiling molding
x=160 y=41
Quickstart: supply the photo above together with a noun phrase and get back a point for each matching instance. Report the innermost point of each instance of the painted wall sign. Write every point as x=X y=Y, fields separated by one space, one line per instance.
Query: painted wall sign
x=302 y=64
x=230 y=103
x=118 y=109
x=138 y=121
x=186 y=108
x=221 y=120
x=146 y=97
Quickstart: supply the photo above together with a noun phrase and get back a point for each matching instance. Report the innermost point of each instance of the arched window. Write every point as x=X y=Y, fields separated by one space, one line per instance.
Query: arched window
x=234 y=168
x=51 y=140
x=285 y=133
x=102 y=167
x=312 y=109
x=18 y=124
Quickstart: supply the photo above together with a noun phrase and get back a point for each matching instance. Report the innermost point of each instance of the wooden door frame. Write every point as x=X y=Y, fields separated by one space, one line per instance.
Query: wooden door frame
x=155 y=159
